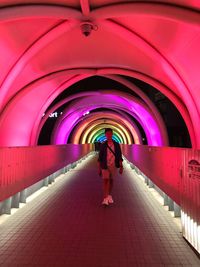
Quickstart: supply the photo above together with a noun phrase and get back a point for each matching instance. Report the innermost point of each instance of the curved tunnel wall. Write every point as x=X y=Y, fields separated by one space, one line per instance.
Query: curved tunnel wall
x=39 y=63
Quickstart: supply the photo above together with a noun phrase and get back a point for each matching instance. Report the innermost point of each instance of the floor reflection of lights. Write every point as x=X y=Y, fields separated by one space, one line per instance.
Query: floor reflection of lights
x=158 y=197
x=68 y=175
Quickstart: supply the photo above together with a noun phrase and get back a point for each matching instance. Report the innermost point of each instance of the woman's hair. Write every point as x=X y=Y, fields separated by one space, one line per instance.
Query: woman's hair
x=108 y=130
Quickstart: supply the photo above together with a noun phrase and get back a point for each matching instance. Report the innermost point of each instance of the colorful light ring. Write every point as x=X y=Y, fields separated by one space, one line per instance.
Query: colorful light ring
x=100 y=137
x=118 y=130
x=135 y=134
x=100 y=134
x=131 y=106
x=96 y=118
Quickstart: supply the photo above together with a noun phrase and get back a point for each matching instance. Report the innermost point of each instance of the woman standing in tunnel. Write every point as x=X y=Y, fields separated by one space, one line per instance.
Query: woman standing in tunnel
x=110 y=158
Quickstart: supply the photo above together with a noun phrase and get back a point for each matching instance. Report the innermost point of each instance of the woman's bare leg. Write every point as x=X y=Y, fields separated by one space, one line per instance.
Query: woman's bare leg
x=106 y=187
x=110 y=186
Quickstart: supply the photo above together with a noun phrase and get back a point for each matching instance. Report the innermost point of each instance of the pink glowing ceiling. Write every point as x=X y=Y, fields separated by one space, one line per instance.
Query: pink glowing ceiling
x=44 y=51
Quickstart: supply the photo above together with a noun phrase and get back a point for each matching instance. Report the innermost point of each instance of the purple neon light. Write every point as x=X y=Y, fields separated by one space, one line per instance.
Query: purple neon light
x=135 y=108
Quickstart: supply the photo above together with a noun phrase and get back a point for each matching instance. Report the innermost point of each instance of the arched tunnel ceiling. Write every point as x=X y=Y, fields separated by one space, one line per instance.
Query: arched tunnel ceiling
x=44 y=52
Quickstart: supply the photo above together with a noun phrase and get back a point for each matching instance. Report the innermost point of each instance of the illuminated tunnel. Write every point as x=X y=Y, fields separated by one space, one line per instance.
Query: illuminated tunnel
x=137 y=72
x=77 y=110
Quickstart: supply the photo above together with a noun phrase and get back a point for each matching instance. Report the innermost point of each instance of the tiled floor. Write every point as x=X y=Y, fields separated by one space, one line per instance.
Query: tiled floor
x=67 y=226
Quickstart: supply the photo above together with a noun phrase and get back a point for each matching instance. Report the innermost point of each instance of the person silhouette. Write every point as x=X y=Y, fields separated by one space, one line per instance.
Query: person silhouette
x=109 y=160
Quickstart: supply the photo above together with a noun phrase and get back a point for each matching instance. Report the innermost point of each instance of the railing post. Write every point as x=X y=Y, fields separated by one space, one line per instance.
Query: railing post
x=1 y=208
x=151 y=184
x=22 y=198
x=165 y=199
x=145 y=179
x=51 y=179
x=15 y=201
x=46 y=181
x=170 y=204
x=177 y=210
x=6 y=207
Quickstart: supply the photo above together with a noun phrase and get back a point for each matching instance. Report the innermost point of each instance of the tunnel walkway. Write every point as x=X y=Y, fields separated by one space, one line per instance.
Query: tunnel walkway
x=66 y=225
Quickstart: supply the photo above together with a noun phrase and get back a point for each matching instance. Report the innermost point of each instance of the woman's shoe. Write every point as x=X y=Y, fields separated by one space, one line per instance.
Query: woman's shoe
x=105 y=201
x=110 y=199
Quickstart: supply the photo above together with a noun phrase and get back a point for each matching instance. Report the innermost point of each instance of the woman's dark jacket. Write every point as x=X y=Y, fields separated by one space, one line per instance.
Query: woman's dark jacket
x=103 y=155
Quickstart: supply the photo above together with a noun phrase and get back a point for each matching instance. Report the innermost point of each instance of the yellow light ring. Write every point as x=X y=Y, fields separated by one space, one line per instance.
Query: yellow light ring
x=87 y=132
x=117 y=128
x=101 y=129
x=83 y=138
x=134 y=132
x=110 y=123
x=101 y=134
